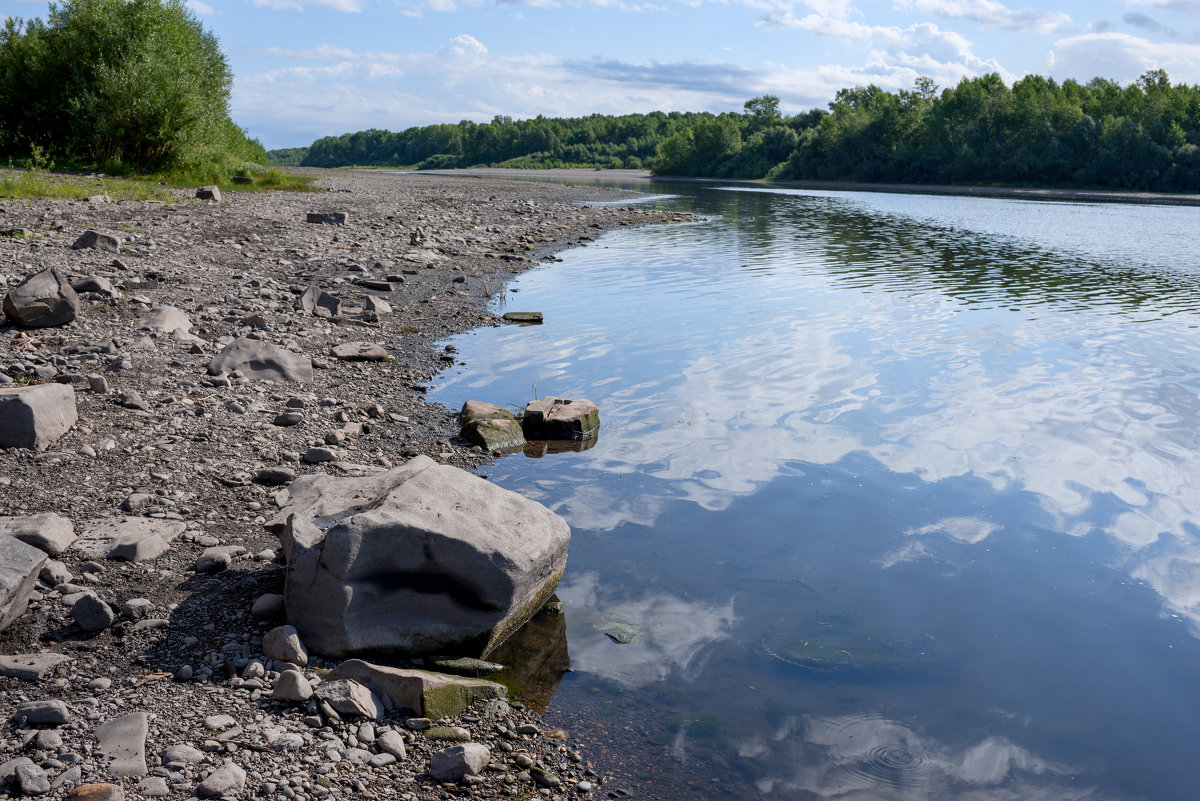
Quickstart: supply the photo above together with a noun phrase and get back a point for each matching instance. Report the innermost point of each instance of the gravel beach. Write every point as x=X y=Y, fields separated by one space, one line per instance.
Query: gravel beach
x=148 y=678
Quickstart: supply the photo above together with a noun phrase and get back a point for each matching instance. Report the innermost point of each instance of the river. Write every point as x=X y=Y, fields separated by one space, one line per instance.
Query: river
x=895 y=496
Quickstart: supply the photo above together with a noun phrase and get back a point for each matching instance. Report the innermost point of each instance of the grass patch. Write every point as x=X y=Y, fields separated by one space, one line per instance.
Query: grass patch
x=42 y=184
x=240 y=177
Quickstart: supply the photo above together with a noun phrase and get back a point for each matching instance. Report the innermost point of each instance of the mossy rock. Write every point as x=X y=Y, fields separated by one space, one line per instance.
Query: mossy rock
x=494 y=435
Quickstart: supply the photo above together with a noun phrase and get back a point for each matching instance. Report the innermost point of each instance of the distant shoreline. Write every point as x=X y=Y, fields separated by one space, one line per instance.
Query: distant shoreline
x=585 y=175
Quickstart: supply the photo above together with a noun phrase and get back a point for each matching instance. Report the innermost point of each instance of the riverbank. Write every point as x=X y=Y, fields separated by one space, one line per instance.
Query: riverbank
x=631 y=177
x=158 y=439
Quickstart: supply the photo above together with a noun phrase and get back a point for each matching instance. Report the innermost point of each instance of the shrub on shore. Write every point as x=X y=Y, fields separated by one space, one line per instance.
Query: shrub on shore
x=122 y=86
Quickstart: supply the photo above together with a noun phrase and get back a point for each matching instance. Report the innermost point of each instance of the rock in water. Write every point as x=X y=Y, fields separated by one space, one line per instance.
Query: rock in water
x=560 y=418
x=421 y=559
x=19 y=567
x=42 y=300
x=494 y=435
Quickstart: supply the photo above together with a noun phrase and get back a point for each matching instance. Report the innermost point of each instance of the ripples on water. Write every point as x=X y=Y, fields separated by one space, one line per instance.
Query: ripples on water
x=898 y=492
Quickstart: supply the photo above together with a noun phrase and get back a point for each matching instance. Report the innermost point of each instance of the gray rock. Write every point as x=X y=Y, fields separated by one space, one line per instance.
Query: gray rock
x=391 y=742
x=137 y=608
x=293 y=687
x=261 y=360
x=349 y=698
x=360 y=352
x=228 y=779
x=209 y=193
x=20 y=565
x=420 y=693
x=133 y=539
x=268 y=606
x=46 y=531
x=34 y=417
x=93 y=240
x=283 y=644
x=182 y=753
x=95 y=792
x=154 y=787
x=43 y=300
x=523 y=317
x=166 y=319
x=275 y=476
x=290 y=741
x=8 y=770
x=326 y=217
x=45 y=712
x=123 y=742
x=217 y=558
x=55 y=572
x=92 y=614
x=560 y=418
x=466 y=560
x=494 y=435
x=31 y=667
x=316 y=455
x=452 y=764
x=96 y=284
x=32 y=780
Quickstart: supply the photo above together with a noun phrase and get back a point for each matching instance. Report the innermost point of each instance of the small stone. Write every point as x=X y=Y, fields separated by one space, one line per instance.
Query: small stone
x=316 y=455
x=137 y=608
x=94 y=240
x=452 y=734
x=183 y=674
x=97 y=792
x=212 y=193
x=292 y=686
x=268 y=606
x=153 y=787
x=92 y=613
x=349 y=699
x=228 y=779
x=46 y=712
x=452 y=764
x=32 y=780
x=275 y=476
x=283 y=644
x=392 y=742
x=218 y=722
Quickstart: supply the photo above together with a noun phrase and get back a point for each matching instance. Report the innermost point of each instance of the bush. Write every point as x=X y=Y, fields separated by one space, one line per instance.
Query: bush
x=120 y=84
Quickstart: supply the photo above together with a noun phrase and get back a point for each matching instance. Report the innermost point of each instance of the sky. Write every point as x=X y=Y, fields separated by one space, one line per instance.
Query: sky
x=311 y=68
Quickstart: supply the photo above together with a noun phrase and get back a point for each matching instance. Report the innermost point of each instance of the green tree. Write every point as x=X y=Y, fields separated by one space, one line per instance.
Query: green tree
x=134 y=83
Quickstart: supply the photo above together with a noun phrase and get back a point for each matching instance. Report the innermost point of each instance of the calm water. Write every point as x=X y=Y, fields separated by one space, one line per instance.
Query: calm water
x=897 y=496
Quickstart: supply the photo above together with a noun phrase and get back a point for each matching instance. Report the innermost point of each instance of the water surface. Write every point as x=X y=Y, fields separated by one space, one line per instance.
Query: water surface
x=896 y=495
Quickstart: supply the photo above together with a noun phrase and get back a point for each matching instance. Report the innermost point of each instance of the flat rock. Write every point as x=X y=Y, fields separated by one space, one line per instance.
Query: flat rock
x=326 y=217
x=523 y=317
x=123 y=741
x=166 y=319
x=31 y=667
x=20 y=564
x=94 y=240
x=419 y=693
x=132 y=539
x=34 y=417
x=97 y=792
x=46 y=531
x=454 y=763
x=494 y=435
x=43 y=300
x=466 y=560
x=473 y=410
x=360 y=352
x=261 y=360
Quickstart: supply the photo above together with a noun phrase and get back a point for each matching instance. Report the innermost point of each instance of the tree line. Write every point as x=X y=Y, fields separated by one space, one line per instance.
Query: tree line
x=1037 y=132
x=118 y=85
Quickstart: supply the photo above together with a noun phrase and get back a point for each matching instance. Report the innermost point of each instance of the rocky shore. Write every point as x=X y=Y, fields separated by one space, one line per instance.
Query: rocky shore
x=158 y=684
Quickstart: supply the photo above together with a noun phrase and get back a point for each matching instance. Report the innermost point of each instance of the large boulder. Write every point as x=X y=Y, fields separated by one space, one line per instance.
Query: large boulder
x=45 y=531
x=255 y=358
x=34 y=417
x=42 y=300
x=421 y=559
x=19 y=568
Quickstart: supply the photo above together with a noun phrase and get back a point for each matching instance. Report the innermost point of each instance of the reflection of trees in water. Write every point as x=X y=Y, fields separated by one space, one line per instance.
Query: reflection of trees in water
x=772 y=231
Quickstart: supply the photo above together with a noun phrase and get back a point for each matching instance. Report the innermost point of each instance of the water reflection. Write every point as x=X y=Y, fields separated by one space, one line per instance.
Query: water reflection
x=660 y=635
x=940 y=450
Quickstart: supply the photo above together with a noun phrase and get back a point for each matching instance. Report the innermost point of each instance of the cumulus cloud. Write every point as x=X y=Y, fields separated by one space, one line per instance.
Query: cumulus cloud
x=1122 y=57
x=992 y=14
x=200 y=8
x=1186 y=6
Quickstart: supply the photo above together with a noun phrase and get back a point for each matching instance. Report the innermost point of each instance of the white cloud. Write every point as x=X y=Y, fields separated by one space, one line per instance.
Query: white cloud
x=1122 y=57
x=1186 y=6
x=346 y=6
x=992 y=14
x=200 y=9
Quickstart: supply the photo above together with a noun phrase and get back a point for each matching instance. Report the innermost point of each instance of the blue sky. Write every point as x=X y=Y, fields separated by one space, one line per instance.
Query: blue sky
x=311 y=68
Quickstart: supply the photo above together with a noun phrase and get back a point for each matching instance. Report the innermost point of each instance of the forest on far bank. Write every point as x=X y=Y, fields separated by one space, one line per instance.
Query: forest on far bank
x=1037 y=132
